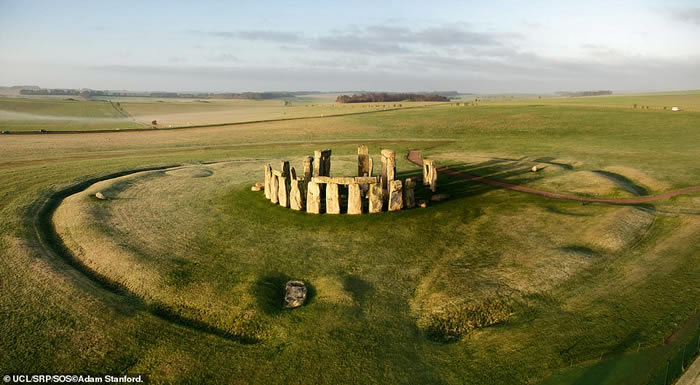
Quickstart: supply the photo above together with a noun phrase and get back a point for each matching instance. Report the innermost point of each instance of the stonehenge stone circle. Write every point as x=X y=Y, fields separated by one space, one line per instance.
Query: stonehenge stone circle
x=309 y=191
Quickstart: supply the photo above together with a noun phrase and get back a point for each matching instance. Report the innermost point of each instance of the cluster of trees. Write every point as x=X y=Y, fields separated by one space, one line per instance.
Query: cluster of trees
x=256 y=95
x=87 y=93
x=379 y=97
x=585 y=93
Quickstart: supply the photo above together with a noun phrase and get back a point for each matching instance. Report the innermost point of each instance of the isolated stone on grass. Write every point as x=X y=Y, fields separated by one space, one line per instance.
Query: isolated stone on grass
x=295 y=294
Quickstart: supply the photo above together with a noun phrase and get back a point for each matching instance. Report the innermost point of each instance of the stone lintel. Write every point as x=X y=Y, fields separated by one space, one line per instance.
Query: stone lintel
x=344 y=179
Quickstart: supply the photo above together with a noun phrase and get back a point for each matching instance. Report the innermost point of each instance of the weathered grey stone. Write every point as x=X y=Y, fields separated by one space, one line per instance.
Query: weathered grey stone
x=332 y=199
x=297 y=194
x=354 y=199
x=274 y=188
x=255 y=187
x=439 y=197
x=100 y=196
x=294 y=294
x=388 y=168
x=268 y=177
x=409 y=196
x=313 y=198
x=376 y=200
x=395 y=195
x=308 y=167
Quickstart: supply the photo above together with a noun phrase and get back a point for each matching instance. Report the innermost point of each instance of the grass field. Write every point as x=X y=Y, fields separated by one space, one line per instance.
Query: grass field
x=178 y=275
x=19 y=114
x=22 y=114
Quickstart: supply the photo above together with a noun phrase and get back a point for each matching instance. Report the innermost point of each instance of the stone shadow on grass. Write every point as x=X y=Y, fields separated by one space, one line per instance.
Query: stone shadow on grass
x=504 y=170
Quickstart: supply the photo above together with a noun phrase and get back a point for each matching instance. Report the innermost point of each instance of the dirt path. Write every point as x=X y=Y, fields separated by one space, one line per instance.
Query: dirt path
x=415 y=157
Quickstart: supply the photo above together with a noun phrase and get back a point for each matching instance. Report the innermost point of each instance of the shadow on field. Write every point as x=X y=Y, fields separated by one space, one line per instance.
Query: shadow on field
x=500 y=169
x=600 y=373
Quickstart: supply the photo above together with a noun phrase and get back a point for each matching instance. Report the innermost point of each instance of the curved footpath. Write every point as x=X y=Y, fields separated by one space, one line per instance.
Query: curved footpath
x=415 y=157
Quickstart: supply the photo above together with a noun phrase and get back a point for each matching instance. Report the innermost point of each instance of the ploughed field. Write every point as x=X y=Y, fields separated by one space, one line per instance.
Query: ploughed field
x=179 y=274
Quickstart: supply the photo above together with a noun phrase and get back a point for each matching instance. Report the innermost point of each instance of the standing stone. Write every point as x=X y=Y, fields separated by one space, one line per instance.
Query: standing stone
x=426 y=171
x=363 y=161
x=274 y=189
x=395 y=195
x=322 y=163
x=354 y=199
x=284 y=167
x=317 y=163
x=332 y=199
x=308 y=167
x=326 y=159
x=268 y=177
x=297 y=194
x=430 y=174
x=433 y=175
x=375 y=198
x=409 y=195
x=388 y=168
x=313 y=198
x=283 y=194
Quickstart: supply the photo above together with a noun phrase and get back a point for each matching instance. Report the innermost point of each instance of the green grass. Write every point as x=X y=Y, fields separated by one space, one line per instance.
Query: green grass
x=583 y=282
x=19 y=114
x=686 y=100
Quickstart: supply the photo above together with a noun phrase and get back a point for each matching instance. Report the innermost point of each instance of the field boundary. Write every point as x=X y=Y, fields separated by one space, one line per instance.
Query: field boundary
x=415 y=156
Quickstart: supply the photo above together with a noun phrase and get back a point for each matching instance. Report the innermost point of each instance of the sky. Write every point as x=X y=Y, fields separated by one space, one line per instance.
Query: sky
x=467 y=46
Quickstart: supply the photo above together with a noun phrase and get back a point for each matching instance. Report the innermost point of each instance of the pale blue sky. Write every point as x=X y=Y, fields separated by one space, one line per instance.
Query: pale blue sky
x=495 y=46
